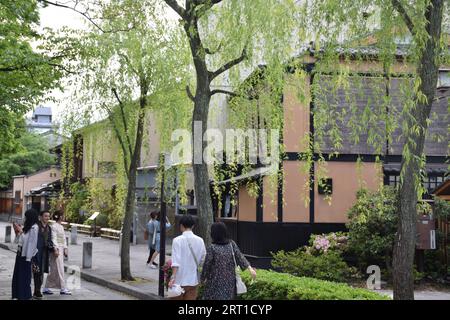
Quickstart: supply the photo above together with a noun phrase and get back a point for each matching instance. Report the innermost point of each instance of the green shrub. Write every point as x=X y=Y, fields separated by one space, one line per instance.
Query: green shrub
x=328 y=266
x=76 y=202
x=372 y=226
x=270 y=285
x=102 y=221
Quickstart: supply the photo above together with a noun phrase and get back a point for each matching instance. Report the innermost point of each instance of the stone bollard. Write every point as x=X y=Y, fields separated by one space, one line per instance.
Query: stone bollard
x=87 y=255
x=8 y=234
x=73 y=235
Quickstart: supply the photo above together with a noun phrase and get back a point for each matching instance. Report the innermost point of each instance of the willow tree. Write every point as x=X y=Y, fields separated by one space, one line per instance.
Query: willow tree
x=223 y=35
x=340 y=27
x=125 y=73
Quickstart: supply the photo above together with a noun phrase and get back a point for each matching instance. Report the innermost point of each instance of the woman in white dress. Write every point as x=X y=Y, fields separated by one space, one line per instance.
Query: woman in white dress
x=55 y=278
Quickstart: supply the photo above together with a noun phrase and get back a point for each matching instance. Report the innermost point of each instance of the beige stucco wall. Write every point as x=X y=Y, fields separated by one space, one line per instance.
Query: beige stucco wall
x=99 y=144
x=294 y=193
x=150 y=146
x=348 y=178
x=25 y=183
x=270 y=200
x=247 y=205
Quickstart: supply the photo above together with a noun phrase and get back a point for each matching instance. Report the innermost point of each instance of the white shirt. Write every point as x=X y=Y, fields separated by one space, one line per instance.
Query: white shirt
x=28 y=242
x=58 y=235
x=183 y=259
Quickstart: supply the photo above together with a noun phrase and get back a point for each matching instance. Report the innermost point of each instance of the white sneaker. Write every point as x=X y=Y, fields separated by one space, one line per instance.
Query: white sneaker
x=153 y=266
x=65 y=292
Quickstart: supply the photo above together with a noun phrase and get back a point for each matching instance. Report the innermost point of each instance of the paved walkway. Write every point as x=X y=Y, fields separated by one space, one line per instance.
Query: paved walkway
x=106 y=264
x=106 y=269
x=84 y=291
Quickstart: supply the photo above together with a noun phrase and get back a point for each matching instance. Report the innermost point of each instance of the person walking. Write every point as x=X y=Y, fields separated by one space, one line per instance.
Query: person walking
x=219 y=270
x=26 y=251
x=155 y=230
x=45 y=247
x=55 y=278
x=151 y=236
x=188 y=253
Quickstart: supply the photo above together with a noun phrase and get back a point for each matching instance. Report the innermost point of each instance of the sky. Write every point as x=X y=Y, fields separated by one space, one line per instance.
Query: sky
x=55 y=18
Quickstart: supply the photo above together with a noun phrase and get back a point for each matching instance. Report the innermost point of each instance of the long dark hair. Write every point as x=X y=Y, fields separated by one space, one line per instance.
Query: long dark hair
x=31 y=218
x=219 y=234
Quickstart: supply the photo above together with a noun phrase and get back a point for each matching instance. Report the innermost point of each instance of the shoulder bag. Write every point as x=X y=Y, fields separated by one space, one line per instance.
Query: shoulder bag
x=240 y=285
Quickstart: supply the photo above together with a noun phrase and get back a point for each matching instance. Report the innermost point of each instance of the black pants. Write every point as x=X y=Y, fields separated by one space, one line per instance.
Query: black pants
x=38 y=280
x=152 y=251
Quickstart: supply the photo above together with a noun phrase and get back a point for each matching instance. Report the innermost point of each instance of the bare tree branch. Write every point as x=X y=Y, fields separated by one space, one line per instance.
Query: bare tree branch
x=73 y=8
x=177 y=8
x=215 y=91
x=406 y=18
x=228 y=65
x=84 y=13
x=124 y=121
x=189 y=93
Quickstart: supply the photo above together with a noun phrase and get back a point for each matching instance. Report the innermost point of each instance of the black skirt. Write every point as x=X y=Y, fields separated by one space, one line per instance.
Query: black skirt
x=21 y=281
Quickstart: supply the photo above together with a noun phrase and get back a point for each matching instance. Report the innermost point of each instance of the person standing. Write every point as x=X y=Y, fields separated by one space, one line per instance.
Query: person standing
x=219 y=270
x=45 y=247
x=188 y=252
x=156 y=232
x=151 y=227
x=26 y=251
x=55 y=278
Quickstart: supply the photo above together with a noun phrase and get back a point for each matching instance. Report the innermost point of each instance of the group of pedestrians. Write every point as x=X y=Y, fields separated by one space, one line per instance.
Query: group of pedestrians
x=192 y=265
x=41 y=249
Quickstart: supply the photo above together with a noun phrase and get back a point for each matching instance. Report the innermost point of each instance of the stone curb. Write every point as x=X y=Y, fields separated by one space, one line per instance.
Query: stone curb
x=120 y=287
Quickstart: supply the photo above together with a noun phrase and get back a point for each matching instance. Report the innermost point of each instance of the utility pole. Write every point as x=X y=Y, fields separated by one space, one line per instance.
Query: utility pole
x=162 y=226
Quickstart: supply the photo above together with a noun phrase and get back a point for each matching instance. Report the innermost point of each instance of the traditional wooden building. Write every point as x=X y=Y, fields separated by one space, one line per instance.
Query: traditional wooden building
x=268 y=223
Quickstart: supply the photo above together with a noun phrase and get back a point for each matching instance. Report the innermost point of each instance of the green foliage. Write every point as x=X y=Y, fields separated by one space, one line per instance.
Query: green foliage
x=372 y=226
x=329 y=266
x=32 y=155
x=441 y=209
x=76 y=203
x=271 y=285
x=322 y=259
x=91 y=197
x=100 y=199
x=26 y=74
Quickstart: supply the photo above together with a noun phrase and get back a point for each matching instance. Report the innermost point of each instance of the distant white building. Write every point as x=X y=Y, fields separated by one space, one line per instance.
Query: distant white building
x=41 y=120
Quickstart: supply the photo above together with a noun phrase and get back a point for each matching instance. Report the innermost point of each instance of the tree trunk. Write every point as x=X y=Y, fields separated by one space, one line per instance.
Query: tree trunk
x=403 y=259
x=201 y=111
x=131 y=197
x=201 y=176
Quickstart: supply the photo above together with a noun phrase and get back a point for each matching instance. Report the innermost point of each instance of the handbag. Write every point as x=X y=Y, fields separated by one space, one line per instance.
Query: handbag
x=35 y=267
x=240 y=285
x=146 y=235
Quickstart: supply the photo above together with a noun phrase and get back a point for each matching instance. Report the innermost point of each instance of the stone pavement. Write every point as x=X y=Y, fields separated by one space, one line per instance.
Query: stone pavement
x=85 y=291
x=105 y=269
x=422 y=295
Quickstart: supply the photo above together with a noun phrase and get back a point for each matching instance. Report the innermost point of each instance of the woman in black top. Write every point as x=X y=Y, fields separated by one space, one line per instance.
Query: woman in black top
x=218 y=274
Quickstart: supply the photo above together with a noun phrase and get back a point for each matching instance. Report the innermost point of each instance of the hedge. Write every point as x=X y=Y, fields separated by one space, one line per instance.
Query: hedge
x=270 y=285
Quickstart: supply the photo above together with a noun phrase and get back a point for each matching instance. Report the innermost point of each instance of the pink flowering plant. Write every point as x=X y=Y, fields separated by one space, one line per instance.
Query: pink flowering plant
x=324 y=243
x=167 y=269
